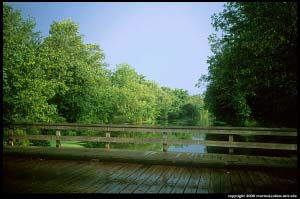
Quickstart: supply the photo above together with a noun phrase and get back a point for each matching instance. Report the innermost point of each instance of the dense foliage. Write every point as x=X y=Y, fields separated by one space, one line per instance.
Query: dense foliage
x=61 y=79
x=252 y=72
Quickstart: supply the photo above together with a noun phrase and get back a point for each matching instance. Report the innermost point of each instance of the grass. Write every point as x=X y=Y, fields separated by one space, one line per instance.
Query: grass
x=76 y=144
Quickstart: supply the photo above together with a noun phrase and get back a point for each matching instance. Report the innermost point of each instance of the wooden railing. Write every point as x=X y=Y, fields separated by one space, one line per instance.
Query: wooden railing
x=165 y=141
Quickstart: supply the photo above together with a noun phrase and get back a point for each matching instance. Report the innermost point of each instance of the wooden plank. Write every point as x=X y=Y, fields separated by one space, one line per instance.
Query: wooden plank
x=74 y=174
x=122 y=181
x=165 y=142
x=91 y=175
x=236 y=183
x=103 y=176
x=107 y=145
x=58 y=144
x=51 y=176
x=172 y=180
x=143 y=177
x=97 y=176
x=117 y=178
x=146 y=184
x=88 y=174
x=215 y=181
x=143 y=126
x=182 y=182
x=203 y=186
x=59 y=170
x=105 y=180
x=259 y=185
x=225 y=181
x=231 y=150
x=265 y=179
x=161 y=181
x=133 y=180
x=277 y=146
x=37 y=125
x=192 y=185
x=128 y=128
x=169 y=158
x=247 y=182
x=154 y=184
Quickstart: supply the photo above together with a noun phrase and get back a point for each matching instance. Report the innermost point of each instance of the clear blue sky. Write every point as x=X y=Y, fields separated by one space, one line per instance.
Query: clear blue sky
x=166 y=42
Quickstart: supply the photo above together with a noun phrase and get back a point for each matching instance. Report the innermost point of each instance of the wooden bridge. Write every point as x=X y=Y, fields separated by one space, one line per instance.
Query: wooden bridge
x=73 y=170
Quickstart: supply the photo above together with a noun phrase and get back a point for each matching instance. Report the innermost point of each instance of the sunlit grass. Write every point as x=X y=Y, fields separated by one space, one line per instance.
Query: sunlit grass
x=76 y=144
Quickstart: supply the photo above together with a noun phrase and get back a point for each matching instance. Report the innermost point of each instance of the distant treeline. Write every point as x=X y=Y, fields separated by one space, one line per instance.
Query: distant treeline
x=252 y=77
x=61 y=79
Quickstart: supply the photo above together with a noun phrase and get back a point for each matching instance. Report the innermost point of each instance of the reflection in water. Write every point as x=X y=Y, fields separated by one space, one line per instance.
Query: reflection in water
x=189 y=148
x=152 y=147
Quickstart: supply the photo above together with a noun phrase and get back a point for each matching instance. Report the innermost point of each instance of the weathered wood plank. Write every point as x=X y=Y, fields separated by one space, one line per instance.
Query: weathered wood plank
x=74 y=176
x=103 y=176
x=278 y=146
x=52 y=176
x=141 y=179
x=192 y=185
x=161 y=181
x=215 y=181
x=151 y=185
x=182 y=181
x=133 y=180
x=259 y=183
x=175 y=129
x=204 y=182
x=146 y=184
x=122 y=182
x=225 y=181
x=172 y=180
x=236 y=183
x=58 y=169
x=143 y=126
x=108 y=176
x=168 y=158
x=247 y=182
x=231 y=150
x=117 y=178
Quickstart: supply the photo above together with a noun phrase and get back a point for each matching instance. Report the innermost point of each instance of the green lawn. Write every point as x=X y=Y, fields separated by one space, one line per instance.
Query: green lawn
x=67 y=144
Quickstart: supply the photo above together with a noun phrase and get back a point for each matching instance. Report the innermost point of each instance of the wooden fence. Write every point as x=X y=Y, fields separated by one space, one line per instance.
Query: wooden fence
x=165 y=141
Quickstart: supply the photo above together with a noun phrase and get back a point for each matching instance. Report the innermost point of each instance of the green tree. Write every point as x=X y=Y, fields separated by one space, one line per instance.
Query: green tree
x=25 y=91
x=194 y=111
x=135 y=96
x=80 y=71
x=252 y=72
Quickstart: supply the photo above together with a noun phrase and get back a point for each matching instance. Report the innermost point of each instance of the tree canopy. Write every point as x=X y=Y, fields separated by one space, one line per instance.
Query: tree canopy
x=252 y=72
x=61 y=79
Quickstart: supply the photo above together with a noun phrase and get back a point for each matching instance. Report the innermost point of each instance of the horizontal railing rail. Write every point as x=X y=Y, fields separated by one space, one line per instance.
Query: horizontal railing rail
x=230 y=131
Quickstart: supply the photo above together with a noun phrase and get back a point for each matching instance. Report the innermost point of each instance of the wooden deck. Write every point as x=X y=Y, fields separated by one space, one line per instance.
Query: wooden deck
x=83 y=170
x=154 y=157
x=36 y=175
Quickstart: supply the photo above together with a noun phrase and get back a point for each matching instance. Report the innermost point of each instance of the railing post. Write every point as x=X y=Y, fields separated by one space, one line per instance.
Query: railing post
x=58 y=145
x=231 y=140
x=107 y=144
x=10 y=138
x=165 y=145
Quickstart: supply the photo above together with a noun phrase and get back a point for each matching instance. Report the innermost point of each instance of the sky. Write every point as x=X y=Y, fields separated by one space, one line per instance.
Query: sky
x=166 y=42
